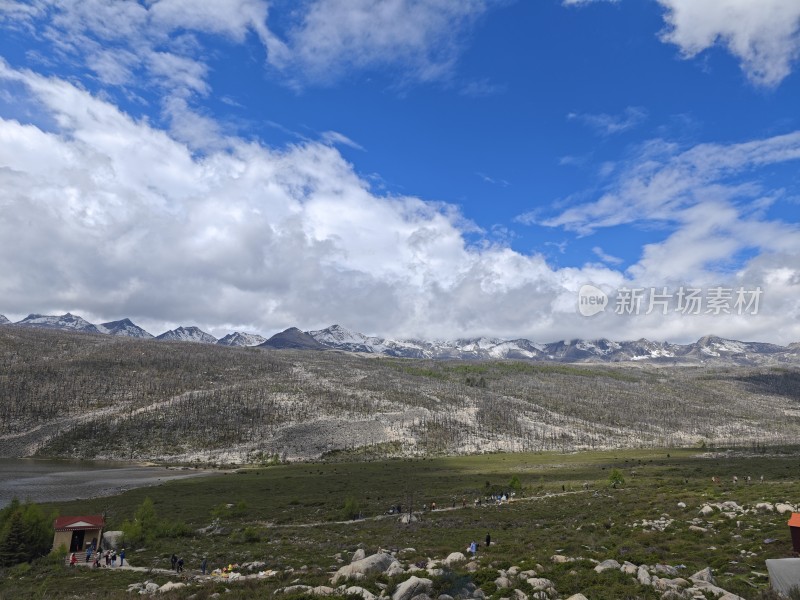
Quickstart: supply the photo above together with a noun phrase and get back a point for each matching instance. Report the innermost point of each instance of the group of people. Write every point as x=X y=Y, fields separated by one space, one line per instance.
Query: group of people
x=109 y=557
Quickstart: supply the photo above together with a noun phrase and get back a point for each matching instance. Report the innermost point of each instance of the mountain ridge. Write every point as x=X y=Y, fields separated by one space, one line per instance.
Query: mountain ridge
x=708 y=348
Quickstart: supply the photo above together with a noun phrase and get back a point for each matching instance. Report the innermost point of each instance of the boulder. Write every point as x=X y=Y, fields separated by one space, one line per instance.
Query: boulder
x=454 y=557
x=540 y=583
x=706 y=510
x=112 y=540
x=704 y=575
x=643 y=576
x=395 y=569
x=765 y=506
x=322 y=590
x=629 y=568
x=377 y=563
x=558 y=559
x=519 y=595
x=411 y=587
x=607 y=565
x=502 y=582
x=171 y=585
x=681 y=504
x=697 y=528
x=150 y=587
x=782 y=507
x=666 y=570
x=730 y=596
x=577 y=597
x=513 y=571
x=356 y=590
x=294 y=589
x=472 y=566
x=358 y=555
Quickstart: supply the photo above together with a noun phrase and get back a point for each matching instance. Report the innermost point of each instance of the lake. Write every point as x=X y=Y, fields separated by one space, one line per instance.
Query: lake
x=60 y=480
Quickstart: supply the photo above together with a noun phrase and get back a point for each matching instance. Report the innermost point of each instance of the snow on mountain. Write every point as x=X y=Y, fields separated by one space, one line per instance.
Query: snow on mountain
x=124 y=328
x=3 y=320
x=238 y=338
x=187 y=334
x=66 y=322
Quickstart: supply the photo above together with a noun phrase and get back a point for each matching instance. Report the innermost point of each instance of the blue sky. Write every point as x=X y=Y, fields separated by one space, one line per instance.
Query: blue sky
x=436 y=168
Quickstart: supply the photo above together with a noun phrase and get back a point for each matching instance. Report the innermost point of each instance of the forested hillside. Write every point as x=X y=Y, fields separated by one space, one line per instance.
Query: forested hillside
x=73 y=394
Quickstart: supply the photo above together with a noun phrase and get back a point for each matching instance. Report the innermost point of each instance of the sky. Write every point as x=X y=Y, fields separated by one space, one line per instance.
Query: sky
x=405 y=168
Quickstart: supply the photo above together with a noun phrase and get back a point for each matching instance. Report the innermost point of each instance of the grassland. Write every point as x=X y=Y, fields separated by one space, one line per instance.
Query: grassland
x=291 y=518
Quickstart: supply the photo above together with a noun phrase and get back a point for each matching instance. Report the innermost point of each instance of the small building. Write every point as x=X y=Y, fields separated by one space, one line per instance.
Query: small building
x=78 y=533
x=794 y=529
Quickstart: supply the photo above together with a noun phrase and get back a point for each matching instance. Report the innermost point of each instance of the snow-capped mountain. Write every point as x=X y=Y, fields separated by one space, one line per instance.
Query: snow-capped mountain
x=706 y=349
x=125 y=328
x=187 y=334
x=3 y=320
x=238 y=338
x=66 y=322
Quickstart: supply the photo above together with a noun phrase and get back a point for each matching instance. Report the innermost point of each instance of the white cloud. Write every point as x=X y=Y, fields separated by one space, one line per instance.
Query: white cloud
x=605 y=257
x=764 y=35
x=422 y=37
x=108 y=216
x=605 y=124
x=664 y=180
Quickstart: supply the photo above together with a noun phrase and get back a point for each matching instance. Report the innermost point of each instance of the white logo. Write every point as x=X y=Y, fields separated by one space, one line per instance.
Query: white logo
x=591 y=300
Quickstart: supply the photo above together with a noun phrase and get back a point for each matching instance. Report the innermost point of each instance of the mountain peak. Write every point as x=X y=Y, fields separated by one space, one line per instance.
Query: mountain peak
x=238 y=338
x=293 y=338
x=124 y=328
x=188 y=334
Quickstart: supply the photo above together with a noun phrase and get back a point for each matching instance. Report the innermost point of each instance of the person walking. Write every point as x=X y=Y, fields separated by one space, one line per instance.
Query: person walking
x=174 y=561
x=122 y=557
x=73 y=560
x=488 y=540
x=180 y=566
x=203 y=565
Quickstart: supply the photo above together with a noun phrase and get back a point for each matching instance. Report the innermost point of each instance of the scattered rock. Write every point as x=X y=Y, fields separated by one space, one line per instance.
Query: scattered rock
x=454 y=557
x=697 y=528
x=171 y=585
x=540 y=583
x=704 y=575
x=782 y=507
x=559 y=559
x=577 y=597
x=681 y=504
x=322 y=590
x=606 y=565
x=377 y=563
x=519 y=595
x=765 y=506
x=706 y=510
x=629 y=568
x=643 y=576
x=360 y=591
x=502 y=582
x=293 y=589
x=411 y=587
x=358 y=555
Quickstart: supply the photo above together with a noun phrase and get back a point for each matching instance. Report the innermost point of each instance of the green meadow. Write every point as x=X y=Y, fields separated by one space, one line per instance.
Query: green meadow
x=298 y=520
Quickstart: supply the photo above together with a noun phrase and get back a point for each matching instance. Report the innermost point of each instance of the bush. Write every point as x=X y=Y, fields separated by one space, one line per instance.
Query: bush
x=351 y=509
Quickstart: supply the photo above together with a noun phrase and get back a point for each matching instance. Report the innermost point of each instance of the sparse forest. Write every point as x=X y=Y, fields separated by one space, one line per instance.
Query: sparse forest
x=77 y=395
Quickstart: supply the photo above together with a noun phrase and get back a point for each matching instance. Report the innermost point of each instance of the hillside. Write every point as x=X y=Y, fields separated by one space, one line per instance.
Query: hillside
x=73 y=394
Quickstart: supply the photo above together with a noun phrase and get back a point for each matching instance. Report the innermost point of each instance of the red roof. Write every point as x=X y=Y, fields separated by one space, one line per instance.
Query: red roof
x=83 y=522
x=794 y=521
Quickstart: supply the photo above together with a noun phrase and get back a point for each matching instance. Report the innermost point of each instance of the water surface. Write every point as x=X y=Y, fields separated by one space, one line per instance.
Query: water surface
x=61 y=480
